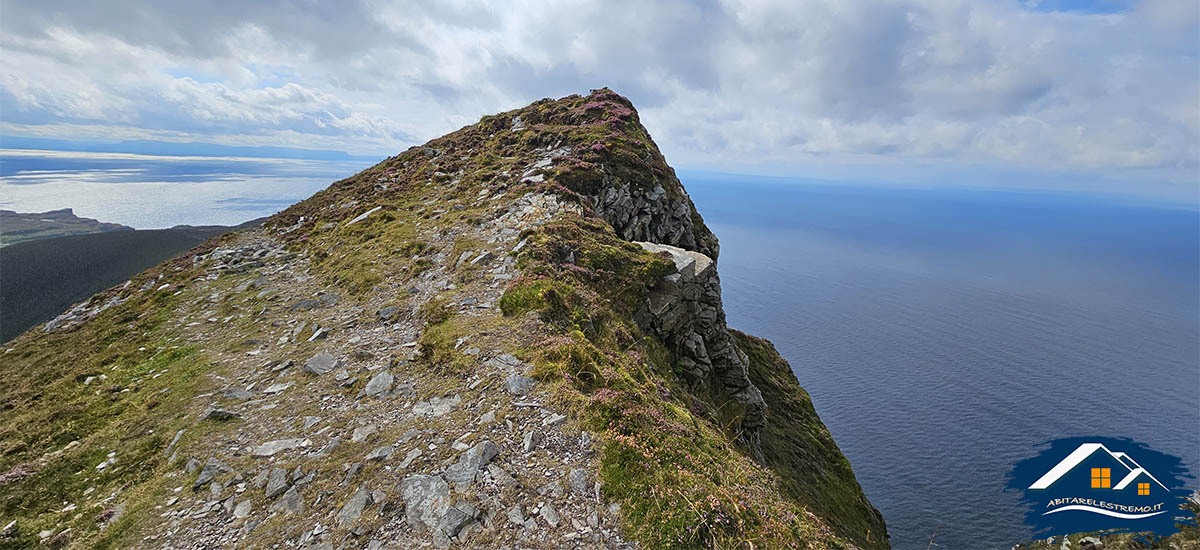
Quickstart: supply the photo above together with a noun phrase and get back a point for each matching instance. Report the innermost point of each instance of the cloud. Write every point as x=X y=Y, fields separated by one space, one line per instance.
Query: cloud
x=1107 y=88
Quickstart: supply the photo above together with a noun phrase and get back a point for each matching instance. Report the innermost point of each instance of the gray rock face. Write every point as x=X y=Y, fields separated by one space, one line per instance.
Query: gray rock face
x=378 y=384
x=361 y=433
x=471 y=461
x=211 y=470
x=291 y=503
x=519 y=385
x=277 y=482
x=426 y=499
x=320 y=363
x=382 y=453
x=454 y=520
x=271 y=447
x=641 y=212
x=579 y=481
x=685 y=310
x=220 y=415
x=387 y=314
x=354 y=507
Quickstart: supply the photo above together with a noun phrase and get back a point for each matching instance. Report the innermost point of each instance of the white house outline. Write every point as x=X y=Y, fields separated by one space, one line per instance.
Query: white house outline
x=1086 y=450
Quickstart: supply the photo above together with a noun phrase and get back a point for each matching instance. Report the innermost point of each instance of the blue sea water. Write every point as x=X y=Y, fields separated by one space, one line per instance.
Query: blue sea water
x=942 y=333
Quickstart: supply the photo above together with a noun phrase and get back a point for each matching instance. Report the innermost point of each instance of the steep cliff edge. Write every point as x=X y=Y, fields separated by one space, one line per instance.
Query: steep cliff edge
x=511 y=336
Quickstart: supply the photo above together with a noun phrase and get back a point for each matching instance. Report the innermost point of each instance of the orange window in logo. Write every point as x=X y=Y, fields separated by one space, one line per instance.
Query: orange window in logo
x=1143 y=488
x=1102 y=478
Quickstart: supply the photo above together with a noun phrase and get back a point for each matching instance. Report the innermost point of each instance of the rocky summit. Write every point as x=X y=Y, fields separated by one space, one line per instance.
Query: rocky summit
x=510 y=337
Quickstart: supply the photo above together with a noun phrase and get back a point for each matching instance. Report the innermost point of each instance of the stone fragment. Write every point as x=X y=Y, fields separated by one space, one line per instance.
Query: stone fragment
x=426 y=499
x=242 y=509
x=353 y=508
x=270 y=448
x=382 y=453
x=533 y=438
x=220 y=415
x=211 y=470
x=578 y=479
x=361 y=433
x=550 y=515
x=378 y=384
x=291 y=502
x=471 y=461
x=320 y=363
x=519 y=385
x=277 y=482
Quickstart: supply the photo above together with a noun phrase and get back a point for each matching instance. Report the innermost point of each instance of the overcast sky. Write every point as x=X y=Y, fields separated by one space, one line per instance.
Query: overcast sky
x=1104 y=90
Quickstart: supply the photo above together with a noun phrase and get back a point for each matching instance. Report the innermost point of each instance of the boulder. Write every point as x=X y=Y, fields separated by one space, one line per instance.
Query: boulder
x=320 y=363
x=426 y=499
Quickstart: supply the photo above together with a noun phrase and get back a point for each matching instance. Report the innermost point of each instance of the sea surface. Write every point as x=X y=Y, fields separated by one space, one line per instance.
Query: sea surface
x=160 y=191
x=942 y=333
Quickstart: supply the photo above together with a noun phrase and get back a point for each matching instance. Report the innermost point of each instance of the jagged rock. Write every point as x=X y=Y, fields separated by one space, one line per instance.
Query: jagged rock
x=320 y=363
x=519 y=385
x=211 y=470
x=220 y=415
x=290 y=503
x=353 y=508
x=471 y=461
x=277 y=388
x=382 y=453
x=453 y=521
x=238 y=394
x=533 y=438
x=409 y=458
x=580 y=484
x=387 y=314
x=242 y=509
x=277 y=482
x=378 y=384
x=436 y=407
x=685 y=310
x=361 y=433
x=550 y=515
x=270 y=448
x=426 y=499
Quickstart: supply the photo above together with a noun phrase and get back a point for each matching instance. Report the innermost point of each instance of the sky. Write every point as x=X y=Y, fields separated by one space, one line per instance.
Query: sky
x=1102 y=94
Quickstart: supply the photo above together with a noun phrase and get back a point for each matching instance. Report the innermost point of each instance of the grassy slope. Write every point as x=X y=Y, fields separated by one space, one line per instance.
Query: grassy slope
x=800 y=449
x=670 y=454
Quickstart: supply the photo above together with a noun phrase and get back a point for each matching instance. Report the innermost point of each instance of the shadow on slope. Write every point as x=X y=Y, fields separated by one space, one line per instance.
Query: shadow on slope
x=40 y=279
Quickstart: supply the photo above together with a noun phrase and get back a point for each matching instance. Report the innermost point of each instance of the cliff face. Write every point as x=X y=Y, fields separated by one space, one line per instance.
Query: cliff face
x=512 y=335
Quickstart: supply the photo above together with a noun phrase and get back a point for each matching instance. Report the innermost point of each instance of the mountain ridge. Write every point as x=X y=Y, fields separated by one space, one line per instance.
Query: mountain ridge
x=487 y=340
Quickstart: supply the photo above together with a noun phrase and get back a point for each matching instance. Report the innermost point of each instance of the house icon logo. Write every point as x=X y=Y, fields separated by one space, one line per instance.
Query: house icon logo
x=1102 y=484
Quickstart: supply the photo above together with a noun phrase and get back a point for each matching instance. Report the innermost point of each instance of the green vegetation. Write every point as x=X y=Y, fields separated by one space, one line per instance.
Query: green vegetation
x=87 y=415
x=680 y=475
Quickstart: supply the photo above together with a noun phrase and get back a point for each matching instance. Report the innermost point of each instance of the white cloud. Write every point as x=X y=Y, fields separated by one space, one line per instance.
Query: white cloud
x=730 y=84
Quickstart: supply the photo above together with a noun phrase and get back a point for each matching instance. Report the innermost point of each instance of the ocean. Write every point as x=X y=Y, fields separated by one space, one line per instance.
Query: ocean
x=943 y=332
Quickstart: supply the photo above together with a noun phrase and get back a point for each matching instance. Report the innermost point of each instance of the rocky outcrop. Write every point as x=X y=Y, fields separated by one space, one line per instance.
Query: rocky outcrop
x=685 y=310
x=648 y=213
